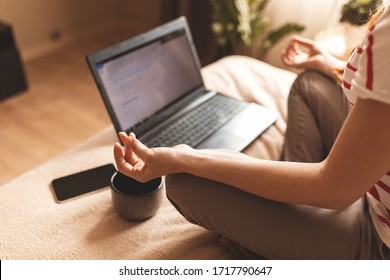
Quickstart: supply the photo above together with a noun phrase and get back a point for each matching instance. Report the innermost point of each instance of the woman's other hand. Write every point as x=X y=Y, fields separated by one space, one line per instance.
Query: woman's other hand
x=304 y=53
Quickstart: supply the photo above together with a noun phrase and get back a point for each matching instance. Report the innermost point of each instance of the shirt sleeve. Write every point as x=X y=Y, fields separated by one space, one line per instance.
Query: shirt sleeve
x=372 y=79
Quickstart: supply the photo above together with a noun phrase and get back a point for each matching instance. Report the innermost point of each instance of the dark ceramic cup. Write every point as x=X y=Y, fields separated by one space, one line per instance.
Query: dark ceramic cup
x=133 y=200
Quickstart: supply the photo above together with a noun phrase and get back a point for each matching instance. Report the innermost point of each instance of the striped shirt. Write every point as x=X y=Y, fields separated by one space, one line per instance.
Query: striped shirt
x=367 y=75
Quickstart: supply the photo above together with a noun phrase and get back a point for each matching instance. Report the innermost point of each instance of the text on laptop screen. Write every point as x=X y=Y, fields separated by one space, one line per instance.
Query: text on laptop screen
x=143 y=81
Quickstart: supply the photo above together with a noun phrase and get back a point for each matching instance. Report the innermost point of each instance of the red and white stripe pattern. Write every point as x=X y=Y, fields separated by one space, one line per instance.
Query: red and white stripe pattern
x=367 y=75
x=381 y=193
x=350 y=73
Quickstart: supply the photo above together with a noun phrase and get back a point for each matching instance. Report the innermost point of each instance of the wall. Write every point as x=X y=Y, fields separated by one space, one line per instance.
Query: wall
x=35 y=21
x=143 y=15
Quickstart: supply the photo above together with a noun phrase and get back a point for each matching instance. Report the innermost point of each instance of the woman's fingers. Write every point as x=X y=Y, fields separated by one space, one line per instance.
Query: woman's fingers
x=124 y=156
x=129 y=154
x=121 y=164
x=138 y=148
x=285 y=58
x=123 y=137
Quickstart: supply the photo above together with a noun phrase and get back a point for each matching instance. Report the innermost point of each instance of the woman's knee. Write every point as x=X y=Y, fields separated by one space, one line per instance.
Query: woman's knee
x=314 y=89
x=310 y=80
x=309 y=77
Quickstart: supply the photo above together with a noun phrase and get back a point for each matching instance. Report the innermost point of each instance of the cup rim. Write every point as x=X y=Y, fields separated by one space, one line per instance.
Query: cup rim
x=112 y=187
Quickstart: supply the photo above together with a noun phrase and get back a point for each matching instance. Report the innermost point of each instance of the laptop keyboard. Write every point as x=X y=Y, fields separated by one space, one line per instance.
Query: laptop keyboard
x=198 y=124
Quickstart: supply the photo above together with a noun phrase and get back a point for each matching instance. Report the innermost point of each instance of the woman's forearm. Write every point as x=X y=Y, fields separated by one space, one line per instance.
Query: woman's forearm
x=351 y=168
x=282 y=181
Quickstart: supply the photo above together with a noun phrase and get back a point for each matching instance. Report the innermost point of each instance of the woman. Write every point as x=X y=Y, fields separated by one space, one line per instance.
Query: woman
x=332 y=204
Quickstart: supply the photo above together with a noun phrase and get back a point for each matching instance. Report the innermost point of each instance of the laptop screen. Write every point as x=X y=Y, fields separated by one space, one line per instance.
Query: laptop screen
x=141 y=82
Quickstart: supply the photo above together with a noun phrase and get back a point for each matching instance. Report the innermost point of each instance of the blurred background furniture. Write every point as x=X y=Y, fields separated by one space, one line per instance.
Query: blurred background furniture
x=12 y=78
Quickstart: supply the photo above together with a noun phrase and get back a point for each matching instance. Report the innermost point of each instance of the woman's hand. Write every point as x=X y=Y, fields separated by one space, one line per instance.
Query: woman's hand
x=304 y=53
x=142 y=163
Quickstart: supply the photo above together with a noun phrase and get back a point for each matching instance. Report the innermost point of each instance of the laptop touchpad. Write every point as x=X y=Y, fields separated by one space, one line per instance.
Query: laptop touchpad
x=222 y=140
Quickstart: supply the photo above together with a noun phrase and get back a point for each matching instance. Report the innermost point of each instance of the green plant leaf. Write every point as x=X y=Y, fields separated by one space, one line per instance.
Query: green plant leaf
x=262 y=5
x=224 y=21
x=244 y=20
x=358 y=12
x=240 y=26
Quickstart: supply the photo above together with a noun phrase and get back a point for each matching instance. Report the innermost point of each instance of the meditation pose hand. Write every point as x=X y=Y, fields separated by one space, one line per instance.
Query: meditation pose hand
x=303 y=53
x=142 y=163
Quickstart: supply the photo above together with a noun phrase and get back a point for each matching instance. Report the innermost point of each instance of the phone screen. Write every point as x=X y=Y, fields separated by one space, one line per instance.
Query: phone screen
x=84 y=182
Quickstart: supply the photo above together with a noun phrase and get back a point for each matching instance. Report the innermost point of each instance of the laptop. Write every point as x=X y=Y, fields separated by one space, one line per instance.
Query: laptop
x=152 y=85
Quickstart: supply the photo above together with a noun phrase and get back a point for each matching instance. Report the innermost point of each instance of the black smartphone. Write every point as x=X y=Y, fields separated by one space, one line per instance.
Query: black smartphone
x=74 y=185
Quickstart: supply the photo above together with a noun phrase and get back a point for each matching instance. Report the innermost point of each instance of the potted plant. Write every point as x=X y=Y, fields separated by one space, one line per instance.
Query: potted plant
x=358 y=12
x=354 y=15
x=241 y=27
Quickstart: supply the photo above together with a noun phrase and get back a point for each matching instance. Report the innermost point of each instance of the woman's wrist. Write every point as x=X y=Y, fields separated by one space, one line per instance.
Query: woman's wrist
x=336 y=68
x=183 y=160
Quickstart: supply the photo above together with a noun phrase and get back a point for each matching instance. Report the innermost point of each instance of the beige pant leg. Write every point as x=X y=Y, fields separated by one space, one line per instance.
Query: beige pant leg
x=271 y=229
x=317 y=108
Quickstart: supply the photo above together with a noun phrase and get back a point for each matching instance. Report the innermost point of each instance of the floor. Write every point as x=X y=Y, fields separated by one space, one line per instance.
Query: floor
x=61 y=108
